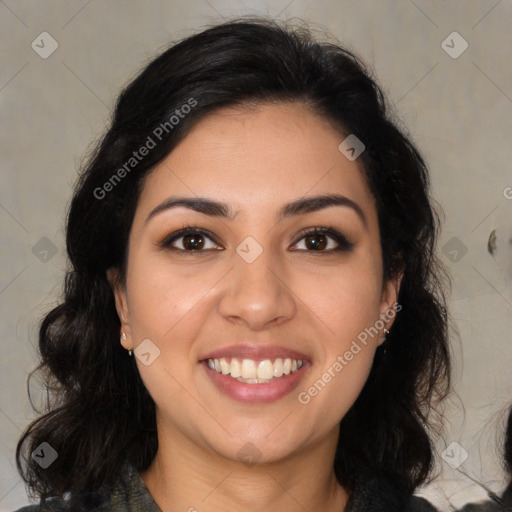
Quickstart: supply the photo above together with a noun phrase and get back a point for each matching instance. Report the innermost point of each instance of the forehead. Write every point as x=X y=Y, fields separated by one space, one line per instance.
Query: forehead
x=258 y=158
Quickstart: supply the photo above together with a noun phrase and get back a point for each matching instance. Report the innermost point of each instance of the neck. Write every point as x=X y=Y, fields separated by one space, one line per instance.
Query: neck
x=185 y=476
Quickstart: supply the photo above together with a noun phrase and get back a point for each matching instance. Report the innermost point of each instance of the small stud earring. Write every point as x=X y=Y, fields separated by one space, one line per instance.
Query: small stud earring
x=123 y=337
x=384 y=344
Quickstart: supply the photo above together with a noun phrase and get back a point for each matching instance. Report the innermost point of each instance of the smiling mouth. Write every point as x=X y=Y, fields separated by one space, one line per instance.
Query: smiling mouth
x=252 y=371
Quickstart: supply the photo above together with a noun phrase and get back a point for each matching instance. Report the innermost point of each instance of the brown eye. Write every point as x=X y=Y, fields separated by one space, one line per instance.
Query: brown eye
x=193 y=242
x=316 y=241
x=189 y=239
x=321 y=240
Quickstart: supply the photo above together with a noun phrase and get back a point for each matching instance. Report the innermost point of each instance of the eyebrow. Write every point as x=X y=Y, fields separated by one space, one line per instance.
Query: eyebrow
x=300 y=206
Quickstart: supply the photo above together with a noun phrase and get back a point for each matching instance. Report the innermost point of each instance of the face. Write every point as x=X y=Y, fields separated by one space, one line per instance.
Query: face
x=249 y=327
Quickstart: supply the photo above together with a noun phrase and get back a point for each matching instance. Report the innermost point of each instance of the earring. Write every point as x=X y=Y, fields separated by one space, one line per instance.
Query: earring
x=384 y=344
x=123 y=337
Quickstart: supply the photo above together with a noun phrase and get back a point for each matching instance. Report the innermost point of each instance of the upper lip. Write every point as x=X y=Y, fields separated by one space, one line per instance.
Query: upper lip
x=251 y=351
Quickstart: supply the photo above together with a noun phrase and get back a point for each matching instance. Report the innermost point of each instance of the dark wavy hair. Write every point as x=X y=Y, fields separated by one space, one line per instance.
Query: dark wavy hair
x=99 y=415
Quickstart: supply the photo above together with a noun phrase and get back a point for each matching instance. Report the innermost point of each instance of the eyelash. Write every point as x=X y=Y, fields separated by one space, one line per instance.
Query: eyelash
x=344 y=245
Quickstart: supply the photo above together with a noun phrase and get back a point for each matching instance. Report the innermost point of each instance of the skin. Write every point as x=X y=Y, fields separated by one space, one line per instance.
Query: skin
x=256 y=160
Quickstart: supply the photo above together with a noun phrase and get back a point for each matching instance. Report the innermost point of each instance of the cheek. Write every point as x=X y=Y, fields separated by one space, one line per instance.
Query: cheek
x=160 y=297
x=351 y=379
x=332 y=390
x=336 y=381
x=347 y=302
x=349 y=307
x=164 y=308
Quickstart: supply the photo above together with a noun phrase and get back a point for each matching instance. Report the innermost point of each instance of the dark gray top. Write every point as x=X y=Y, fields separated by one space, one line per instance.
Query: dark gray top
x=130 y=494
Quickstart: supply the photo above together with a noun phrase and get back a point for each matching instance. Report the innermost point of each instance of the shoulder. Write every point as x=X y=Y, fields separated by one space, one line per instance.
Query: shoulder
x=377 y=494
x=53 y=506
x=128 y=493
x=418 y=504
x=61 y=505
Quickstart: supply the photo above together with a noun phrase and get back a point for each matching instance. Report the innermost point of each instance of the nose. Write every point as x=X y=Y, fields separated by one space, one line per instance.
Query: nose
x=257 y=293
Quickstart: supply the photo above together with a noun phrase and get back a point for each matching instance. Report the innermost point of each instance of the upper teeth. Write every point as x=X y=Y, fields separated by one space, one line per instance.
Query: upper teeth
x=249 y=369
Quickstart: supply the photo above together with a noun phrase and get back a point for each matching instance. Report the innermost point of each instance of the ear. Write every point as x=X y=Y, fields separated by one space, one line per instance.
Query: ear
x=123 y=312
x=389 y=306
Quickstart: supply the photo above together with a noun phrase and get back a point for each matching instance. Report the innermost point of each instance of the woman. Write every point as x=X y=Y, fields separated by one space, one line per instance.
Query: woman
x=254 y=318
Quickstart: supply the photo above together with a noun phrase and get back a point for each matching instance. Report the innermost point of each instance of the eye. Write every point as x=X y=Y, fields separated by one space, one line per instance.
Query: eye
x=317 y=240
x=191 y=239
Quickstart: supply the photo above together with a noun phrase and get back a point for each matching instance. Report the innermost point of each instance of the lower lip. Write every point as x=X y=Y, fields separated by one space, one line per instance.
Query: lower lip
x=256 y=393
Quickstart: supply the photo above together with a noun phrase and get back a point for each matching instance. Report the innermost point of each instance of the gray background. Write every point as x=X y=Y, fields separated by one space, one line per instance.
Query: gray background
x=458 y=110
